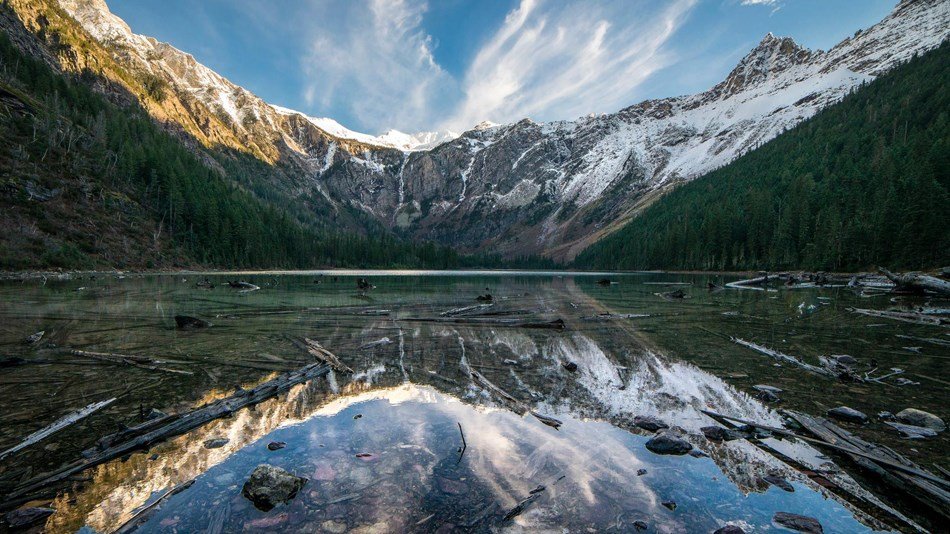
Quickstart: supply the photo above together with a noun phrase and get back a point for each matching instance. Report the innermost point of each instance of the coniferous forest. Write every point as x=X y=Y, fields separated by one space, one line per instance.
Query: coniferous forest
x=865 y=182
x=90 y=184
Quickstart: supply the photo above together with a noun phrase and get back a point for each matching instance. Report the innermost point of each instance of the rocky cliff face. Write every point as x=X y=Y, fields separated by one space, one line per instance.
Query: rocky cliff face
x=550 y=188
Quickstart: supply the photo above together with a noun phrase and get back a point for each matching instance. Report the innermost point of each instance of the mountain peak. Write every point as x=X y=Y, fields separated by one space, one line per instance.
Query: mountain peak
x=771 y=56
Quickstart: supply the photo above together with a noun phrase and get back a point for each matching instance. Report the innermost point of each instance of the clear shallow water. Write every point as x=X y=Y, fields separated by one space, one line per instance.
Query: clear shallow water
x=413 y=388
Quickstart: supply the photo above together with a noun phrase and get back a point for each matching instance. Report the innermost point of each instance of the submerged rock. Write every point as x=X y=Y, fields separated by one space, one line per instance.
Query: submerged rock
x=640 y=525
x=729 y=529
x=669 y=504
x=779 y=483
x=276 y=445
x=648 y=422
x=570 y=366
x=604 y=282
x=641 y=472
x=845 y=413
x=913 y=431
x=185 y=321
x=269 y=486
x=27 y=517
x=913 y=416
x=797 y=522
x=668 y=443
x=216 y=443
x=767 y=396
x=718 y=433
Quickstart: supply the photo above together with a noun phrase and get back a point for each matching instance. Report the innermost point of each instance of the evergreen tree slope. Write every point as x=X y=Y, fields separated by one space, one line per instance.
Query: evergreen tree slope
x=87 y=183
x=862 y=183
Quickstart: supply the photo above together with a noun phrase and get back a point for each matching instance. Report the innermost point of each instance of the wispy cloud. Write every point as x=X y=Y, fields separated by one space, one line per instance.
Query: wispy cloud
x=547 y=60
x=560 y=60
x=378 y=63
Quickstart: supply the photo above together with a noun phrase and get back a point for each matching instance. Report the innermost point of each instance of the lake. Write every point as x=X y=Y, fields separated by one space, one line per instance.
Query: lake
x=441 y=426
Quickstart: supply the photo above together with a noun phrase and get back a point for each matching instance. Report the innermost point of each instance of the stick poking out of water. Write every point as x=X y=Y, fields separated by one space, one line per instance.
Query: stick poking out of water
x=464 y=445
x=57 y=426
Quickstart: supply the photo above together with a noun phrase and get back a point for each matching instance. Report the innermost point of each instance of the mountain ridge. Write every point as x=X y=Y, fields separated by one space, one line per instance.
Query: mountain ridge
x=550 y=188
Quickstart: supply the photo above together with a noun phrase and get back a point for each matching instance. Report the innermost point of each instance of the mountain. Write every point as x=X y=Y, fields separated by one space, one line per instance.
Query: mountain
x=864 y=182
x=549 y=188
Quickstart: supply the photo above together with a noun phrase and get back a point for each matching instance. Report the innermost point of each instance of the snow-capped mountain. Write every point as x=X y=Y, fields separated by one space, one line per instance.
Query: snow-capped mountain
x=526 y=187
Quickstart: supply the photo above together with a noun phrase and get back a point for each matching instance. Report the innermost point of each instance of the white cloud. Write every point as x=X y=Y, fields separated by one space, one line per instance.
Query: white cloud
x=376 y=62
x=559 y=60
x=547 y=60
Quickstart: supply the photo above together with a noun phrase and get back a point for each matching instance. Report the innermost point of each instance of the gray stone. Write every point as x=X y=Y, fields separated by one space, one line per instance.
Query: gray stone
x=729 y=529
x=779 y=482
x=913 y=431
x=648 y=422
x=845 y=413
x=771 y=389
x=269 y=486
x=668 y=443
x=797 y=522
x=216 y=443
x=913 y=416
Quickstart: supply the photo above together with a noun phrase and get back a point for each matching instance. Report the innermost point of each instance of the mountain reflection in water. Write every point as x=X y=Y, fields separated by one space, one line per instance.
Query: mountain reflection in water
x=412 y=385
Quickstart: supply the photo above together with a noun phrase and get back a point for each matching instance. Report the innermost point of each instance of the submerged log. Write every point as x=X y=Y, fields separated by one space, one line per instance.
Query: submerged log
x=143 y=362
x=145 y=513
x=893 y=469
x=317 y=351
x=785 y=358
x=917 y=282
x=175 y=427
x=57 y=426
x=903 y=316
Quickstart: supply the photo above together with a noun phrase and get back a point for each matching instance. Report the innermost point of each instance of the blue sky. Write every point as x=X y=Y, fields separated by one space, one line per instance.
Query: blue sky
x=418 y=65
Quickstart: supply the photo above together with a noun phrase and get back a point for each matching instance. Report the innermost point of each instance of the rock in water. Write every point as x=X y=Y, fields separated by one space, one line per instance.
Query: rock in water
x=276 y=445
x=648 y=422
x=729 y=529
x=570 y=366
x=26 y=517
x=718 y=433
x=912 y=431
x=184 y=321
x=779 y=482
x=668 y=443
x=797 y=522
x=767 y=396
x=847 y=414
x=270 y=486
x=216 y=443
x=913 y=416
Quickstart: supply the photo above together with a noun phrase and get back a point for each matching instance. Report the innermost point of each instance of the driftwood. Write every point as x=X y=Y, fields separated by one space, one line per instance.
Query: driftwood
x=910 y=469
x=145 y=513
x=514 y=404
x=136 y=361
x=556 y=324
x=57 y=426
x=466 y=310
x=785 y=358
x=317 y=351
x=762 y=280
x=522 y=506
x=917 y=283
x=904 y=316
x=894 y=469
x=175 y=427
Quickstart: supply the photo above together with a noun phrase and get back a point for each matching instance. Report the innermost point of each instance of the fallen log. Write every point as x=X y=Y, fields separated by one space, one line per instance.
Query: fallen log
x=179 y=425
x=910 y=469
x=466 y=310
x=317 y=351
x=145 y=513
x=143 y=362
x=762 y=280
x=556 y=324
x=785 y=358
x=903 y=316
x=917 y=282
x=57 y=426
x=894 y=469
x=514 y=404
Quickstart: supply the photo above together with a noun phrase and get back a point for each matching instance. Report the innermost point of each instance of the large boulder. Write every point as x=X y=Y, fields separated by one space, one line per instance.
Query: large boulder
x=800 y=523
x=845 y=413
x=913 y=416
x=270 y=486
x=668 y=443
x=648 y=422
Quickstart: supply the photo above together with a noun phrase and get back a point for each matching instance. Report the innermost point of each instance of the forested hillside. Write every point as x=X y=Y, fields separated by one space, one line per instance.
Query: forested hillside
x=862 y=183
x=86 y=183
